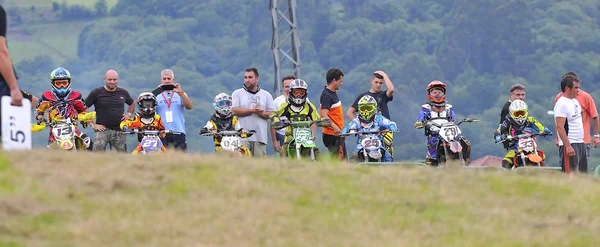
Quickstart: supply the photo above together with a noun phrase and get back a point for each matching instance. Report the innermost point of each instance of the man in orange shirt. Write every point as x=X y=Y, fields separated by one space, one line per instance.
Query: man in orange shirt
x=331 y=107
x=589 y=114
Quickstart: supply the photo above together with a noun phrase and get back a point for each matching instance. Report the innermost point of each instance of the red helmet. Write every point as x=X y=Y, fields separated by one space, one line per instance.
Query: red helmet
x=436 y=85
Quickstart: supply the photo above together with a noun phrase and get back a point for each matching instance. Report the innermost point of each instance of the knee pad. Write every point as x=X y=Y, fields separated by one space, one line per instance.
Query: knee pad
x=86 y=140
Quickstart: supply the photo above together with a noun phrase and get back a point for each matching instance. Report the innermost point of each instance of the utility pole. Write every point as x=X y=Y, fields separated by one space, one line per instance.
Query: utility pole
x=285 y=43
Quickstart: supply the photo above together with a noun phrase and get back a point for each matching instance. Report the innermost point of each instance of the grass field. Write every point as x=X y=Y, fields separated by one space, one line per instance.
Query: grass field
x=65 y=199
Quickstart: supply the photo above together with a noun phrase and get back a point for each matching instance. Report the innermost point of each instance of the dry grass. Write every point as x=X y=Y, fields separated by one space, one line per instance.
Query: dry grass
x=65 y=199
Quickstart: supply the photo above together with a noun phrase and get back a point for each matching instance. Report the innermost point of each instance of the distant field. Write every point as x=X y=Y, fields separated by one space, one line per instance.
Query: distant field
x=44 y=39
x=46 y=3
x=30 y=40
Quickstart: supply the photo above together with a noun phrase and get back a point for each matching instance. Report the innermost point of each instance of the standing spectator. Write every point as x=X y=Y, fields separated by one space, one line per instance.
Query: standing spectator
x=517 y=91
x=171 y=101
x=382 y=98
x=253 y=105
x=8 y=77
x=569 y=126
x=277 y=136
x=589 y=114
x=108 y=102
x=331 y=107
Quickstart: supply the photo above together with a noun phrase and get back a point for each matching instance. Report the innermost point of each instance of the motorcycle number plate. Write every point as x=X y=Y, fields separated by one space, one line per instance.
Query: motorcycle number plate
x=64 y=131
x=302 y=135
x=371 y=142
x=527 y=144
x=150 y=143
x=230 y=142
x=449 y=132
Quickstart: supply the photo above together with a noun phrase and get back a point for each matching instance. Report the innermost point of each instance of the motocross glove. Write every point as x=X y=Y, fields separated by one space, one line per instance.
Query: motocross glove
x=418 y=124
x=203 y=131
x=344 y=130
x=393 y=128
x=498 y=138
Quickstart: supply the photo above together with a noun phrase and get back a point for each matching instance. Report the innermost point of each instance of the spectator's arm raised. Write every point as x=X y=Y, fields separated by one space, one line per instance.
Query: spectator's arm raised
x=187 y=102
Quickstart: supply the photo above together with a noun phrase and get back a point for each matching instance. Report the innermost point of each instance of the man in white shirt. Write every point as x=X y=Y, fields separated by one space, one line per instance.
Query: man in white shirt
x=252 y=105
x=278 y=135
x=569 y=126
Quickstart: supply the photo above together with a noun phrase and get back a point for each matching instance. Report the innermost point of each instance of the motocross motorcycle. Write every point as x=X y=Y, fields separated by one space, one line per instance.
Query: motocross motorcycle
x=231 y=140
x=302 y=145
x=452 y=144
x=63 y=131
x=527 y=151
x=373 y=149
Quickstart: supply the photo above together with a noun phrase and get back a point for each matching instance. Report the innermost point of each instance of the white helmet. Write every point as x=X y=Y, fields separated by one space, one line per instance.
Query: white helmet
x=222 y=104
x=295 y=100
x=518 y=113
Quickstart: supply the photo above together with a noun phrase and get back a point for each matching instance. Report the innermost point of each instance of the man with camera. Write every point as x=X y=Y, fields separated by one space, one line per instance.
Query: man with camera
x=171 y=101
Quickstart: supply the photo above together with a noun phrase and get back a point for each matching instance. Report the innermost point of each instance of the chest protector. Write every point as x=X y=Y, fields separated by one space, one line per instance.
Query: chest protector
x=439 y=114
x=223 y=123
x=294 y=113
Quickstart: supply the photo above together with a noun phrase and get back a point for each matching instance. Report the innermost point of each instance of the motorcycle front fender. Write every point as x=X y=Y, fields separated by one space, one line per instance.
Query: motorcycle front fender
x=455 y=146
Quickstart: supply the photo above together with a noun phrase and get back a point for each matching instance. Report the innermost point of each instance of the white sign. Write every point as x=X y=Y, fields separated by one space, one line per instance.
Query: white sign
x=16 y=125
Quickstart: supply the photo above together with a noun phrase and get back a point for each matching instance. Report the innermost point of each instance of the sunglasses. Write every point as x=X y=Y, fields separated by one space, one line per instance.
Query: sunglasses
x=61 y=83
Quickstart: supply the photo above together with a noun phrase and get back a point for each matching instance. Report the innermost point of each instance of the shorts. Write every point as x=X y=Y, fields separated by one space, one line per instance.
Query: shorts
x=256 y=148
x=578 y=162
x=116 y=139
x=336 y=146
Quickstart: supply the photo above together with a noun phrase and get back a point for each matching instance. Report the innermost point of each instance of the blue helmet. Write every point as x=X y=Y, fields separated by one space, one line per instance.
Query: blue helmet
x=57 y=78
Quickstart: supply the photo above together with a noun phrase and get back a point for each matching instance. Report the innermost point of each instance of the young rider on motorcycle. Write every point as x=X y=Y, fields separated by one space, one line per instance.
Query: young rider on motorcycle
x=296 y=108
x=369 y=120
x=145 y=119
x=62 y=103
x=222 y=120
x=515 y=123
x=437 y=110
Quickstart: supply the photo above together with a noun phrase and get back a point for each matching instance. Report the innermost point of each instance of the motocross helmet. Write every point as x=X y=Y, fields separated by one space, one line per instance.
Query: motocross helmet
x=222 y=104
x=518 y=114
x=436 y=99
x=147 y=104
x=367 y=109
x=298 y=92
x=60 y=79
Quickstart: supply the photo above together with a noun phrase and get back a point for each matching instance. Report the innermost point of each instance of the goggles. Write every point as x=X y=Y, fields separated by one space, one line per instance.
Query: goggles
x=519 y=114
x=148 y=103
x=298 y=92
x=366 y=108
x=223 y=104
x=61 y=83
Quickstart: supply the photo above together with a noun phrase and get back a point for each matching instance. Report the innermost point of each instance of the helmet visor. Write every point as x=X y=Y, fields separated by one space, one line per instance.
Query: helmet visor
x=147 y=103
x=223 y=104
x=61 y=83
x=519 y=114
